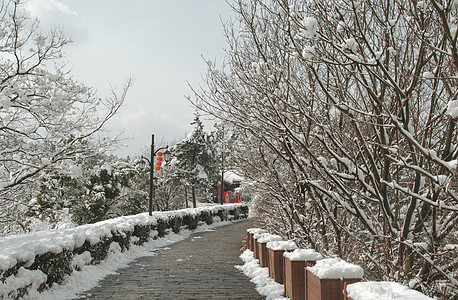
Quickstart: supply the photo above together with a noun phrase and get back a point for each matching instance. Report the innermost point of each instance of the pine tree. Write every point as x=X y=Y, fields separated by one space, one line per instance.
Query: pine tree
x=196 y=160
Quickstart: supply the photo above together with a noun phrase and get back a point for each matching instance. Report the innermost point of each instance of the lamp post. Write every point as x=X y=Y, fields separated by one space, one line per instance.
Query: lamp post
x=222 y=176
x=150 y=161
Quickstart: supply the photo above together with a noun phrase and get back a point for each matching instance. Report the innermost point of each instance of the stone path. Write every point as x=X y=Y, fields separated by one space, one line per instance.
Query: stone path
x=201 y=267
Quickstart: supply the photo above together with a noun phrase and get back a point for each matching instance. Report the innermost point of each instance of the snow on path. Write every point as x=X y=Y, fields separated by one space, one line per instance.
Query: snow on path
x=90 y=275
x=265 y=285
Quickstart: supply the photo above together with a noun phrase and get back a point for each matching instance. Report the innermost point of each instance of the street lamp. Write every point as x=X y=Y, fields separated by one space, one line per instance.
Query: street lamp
x=150 y=161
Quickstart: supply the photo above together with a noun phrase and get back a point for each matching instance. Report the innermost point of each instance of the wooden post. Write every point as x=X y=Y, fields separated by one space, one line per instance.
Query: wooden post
x=276 y=265
x=294 y=278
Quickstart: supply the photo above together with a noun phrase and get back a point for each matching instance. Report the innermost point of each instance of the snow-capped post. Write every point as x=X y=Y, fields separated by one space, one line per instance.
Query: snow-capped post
x=294 y=265
x=262 y=244
x=255 y=244
x=259 y=242
x=382 y=290
x=250 y=236
x=150 y=161
x=329 y=277
x=275 y=250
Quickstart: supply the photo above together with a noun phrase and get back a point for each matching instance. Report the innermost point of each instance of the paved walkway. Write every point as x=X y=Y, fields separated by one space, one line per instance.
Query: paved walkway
x=201 y=267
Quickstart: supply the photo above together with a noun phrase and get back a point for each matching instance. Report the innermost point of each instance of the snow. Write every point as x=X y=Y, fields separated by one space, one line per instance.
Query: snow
x=351 y=44
x=282 y=245
x=6 y=103
x=451 y=165
x=452 y=108
x=265 y=285
x=23 y=278
x=231 y=178
x=428 y=75
x=340 y=27
x=201 y=172
x=451 y=247
x=81 y=260
x=267 y=237
x=25 y=247
x=384 y=291
x=308 y=52
x=336 y=268
x=442 y=179
x=256 y=230
x=303 y=254
x=310 y=26
x=260 y=234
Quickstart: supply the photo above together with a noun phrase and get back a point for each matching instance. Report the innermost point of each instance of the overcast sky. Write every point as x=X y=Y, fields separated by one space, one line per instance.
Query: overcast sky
x=159 y=43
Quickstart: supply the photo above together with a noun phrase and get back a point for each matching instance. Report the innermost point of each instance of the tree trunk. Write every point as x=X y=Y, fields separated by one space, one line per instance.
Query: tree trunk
x=186 y=196
x=194 y=202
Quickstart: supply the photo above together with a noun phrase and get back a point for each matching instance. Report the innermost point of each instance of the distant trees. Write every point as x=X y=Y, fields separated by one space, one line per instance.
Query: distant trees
x=53 y=164
x=48 y=121
x=350 y=111
x=105 y=188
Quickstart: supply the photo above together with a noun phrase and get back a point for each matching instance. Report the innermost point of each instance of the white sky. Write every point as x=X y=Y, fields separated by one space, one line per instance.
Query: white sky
x=159 y=43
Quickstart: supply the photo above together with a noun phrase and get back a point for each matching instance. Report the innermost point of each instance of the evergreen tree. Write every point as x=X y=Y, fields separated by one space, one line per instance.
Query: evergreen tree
x=196 y=163
x=101 y=187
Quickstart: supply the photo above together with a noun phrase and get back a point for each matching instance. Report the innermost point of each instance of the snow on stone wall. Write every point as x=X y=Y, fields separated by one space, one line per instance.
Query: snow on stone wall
x=36 y=260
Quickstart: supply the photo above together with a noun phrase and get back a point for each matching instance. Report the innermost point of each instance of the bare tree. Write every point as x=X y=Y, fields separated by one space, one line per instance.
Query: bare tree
x=356 y=101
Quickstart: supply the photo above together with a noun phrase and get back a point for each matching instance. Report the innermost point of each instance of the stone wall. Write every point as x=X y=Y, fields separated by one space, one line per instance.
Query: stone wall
x=36 y=261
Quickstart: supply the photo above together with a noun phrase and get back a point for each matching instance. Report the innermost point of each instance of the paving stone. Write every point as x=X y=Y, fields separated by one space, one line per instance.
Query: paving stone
x=200 y=267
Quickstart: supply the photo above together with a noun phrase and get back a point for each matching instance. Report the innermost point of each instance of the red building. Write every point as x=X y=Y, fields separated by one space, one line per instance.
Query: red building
x=231 y=188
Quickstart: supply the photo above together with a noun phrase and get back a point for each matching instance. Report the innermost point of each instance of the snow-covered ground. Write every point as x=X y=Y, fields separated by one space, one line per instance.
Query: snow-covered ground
x=90 y=275
x=265 y=285
x=22 y=251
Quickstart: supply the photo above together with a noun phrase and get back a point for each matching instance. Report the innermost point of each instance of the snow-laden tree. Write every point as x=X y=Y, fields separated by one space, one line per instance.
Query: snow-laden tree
x=48 y=121
x=196 y=161
x=103 y=188
x=107 y=187
x=133 y=185
x=52 y=201
x=169 y=188
x=351 y=107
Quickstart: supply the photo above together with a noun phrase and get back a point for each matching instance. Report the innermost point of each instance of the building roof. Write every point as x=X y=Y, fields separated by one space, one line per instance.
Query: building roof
x=232 y=178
